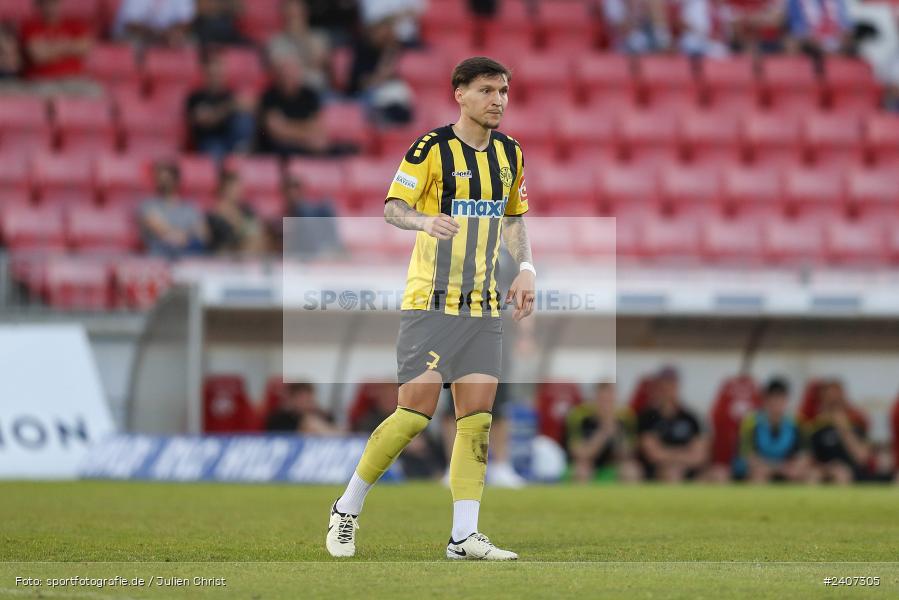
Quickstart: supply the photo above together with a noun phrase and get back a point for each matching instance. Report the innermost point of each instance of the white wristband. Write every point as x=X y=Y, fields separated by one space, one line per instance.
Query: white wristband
x=526 y=266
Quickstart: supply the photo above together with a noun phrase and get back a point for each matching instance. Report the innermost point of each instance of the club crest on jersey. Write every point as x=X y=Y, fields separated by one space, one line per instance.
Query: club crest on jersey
x=491 y=209
x=505 y=175
x=462 y=174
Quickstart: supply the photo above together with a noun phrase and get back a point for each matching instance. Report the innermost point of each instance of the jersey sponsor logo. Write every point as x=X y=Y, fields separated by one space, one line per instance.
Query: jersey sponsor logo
x=406 y=180
x=492 y=209
x=505 y=175
x=523 y=189
x=462 y=174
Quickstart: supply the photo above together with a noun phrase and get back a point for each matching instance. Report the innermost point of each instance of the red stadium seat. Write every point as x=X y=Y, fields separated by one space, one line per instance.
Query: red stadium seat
x=112 y=63
x=623 y=188
x=641 y=398
x=690 y=189
x=859 y=241
x=649 y=138
x=597 y=238
x=85 y=10
x=881 y=133
x=268 y=206
x=851 y=85
x=139 y=282
x=14 y=174
x=563 y=190
x=16 y=11
x=793 y=242
x=102 y=229
x=164 y=66
x=588 y=136
x=510 y=48
x=149 y=129
x=345 y=122
x=263 y=21
x=273 y=396
x=554 y=401
x=711 y=138
x=873 y=191
x=243 y=68
x=566 y=27
x=736 y=398
x=85 y=124
x=24 y=124
x=532 y=130
x=546 y=79
x=368 y=182
x=772 y=139
x=667 y=82
x=627 y=238
x=746 y=190
x=63 y=178
x=731 y=240
x=669 y=239
x=814 y=191
x=258 y=174
x=551 y=238
x=606 y=80
x=199 y=177
x=791 y=84
x=833 y=140
x=77 y=284
x=321 y=179
x=226 y=405
x=355 y=234
x=29 y=227
x=424 y=69
x=123 y=181
x=729 y=85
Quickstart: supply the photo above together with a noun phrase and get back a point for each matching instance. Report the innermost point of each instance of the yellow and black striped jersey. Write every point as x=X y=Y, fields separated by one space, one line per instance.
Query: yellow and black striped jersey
x=442 y=174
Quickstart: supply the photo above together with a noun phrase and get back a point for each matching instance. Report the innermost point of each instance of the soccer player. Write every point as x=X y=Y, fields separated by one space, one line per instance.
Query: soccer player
x=770 y=439
x=462 y=188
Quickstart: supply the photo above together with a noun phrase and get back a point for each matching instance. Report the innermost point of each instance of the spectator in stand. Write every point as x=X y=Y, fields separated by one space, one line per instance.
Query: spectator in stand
x=155 y=22
x=638 y=26
x=334 y=16
x=770 y=439
x=299 y=412
x=172 y=227
x=702 y=31
x=55 y=47
x=819 y=27
x=310 y=46
x=837 y=439
x=597 y=439
x=314 y=231
x=374 y=76
x=671 y=444
x=10 y=58
x=289 y=121
x=220 y=121
x=215 y=24
x=755 y=26
x=484 y=8
x=401 y=16
x=234 y=228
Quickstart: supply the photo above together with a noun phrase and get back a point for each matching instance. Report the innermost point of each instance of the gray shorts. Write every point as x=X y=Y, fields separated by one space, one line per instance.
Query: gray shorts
x=454 y=346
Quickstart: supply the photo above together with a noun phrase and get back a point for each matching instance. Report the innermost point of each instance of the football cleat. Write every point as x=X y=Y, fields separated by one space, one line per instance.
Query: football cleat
x=341 y=538
x=477 y=547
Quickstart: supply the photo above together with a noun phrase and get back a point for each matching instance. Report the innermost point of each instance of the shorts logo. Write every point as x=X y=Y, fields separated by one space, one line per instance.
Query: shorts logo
x=433 y=364
x=462 y=174
x=406 y=180
x=493 y=209
x=505 y=175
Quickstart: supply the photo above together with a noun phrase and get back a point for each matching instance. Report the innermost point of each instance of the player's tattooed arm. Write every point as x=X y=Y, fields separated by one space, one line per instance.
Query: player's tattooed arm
x=515 y=235
x=400 y=214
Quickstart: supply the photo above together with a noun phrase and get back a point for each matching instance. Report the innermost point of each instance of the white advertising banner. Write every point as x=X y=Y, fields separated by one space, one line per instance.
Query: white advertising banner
x=52 y=407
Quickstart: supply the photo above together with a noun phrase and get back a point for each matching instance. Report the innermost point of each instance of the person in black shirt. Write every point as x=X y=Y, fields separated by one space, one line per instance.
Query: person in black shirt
x=299 y=413
x=672 y=446
x=837 y=441
x=290 y=113
x=219 y=122
x=233 y=225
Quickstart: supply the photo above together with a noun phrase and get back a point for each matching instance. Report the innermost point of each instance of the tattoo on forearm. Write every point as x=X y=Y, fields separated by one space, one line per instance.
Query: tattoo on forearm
x=399 y=214
x=515 y=235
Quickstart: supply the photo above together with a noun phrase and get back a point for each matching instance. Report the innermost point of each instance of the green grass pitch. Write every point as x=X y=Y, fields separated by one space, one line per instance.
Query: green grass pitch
x=267 y=541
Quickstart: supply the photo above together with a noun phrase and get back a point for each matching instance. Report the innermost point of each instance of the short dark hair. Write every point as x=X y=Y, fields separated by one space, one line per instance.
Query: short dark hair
x=471 y=68
x=777 y=386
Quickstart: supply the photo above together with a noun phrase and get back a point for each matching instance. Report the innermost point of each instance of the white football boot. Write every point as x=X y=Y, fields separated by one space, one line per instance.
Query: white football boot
x=477 y=547
x=341 y=538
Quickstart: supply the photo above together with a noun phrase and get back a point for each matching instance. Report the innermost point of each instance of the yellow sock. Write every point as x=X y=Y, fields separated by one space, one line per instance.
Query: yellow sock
x=388 y=440
x=468 y=465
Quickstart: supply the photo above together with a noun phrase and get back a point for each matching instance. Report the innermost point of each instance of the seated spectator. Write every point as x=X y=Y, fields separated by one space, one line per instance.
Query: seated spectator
x=299 y=412
x=638 y=26
x=819 y=26
x=771 y=441
x=154 y=22
x=220 y=122
x=333 y=17
x=289 y=120
x=401 y=15
x=55 y=48
x=837 y=441
x=310 y=46
x=215 y=24
x=597 y=439
x=172 y=227
x=672 y=446
x=233 y=225
x=755 y=26
x=10 y=58
x=483 y=8
x=374 y=76
x=700 y=23
x=315 y=230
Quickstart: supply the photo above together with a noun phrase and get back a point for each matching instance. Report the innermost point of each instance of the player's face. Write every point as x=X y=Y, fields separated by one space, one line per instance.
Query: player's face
x=484 y=100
